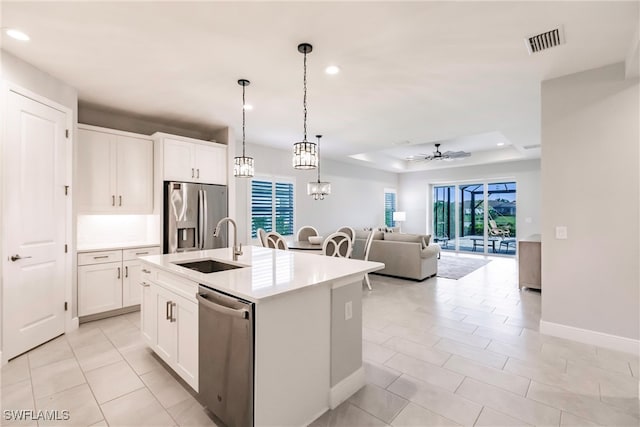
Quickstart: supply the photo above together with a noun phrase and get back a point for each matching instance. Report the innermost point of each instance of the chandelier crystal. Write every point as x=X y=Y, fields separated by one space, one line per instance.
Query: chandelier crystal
x=305 y=155
x=318 y=189
x=243 y=166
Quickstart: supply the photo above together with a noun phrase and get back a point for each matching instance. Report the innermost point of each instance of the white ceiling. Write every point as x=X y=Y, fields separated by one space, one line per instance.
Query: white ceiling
x=416 y=72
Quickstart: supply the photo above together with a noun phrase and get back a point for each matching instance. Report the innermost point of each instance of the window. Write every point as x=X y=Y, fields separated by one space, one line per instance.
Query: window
x=390 y=207
x=272 y=202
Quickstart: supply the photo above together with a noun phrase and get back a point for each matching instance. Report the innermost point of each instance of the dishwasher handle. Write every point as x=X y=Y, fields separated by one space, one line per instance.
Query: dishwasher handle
x=241 y=313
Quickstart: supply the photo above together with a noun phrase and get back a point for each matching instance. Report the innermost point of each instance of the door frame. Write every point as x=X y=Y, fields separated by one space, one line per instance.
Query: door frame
x=70 y=322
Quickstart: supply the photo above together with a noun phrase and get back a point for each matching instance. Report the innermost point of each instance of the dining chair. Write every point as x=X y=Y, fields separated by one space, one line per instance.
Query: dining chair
x=337 y=244
x=367 y=249
x=305 y=232
x=274 y=240
x=349 y=232
x=261 y=237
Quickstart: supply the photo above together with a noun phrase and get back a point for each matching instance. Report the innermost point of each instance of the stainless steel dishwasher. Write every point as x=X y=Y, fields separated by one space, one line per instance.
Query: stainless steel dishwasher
x=226 y=356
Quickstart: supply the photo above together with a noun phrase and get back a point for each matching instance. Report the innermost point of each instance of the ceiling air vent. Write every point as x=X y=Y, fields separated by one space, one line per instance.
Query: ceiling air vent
x=531 y=147
x=544 y=41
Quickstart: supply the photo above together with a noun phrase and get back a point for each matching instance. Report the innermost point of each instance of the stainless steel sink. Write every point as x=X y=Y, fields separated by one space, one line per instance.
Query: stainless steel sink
x=207 y=266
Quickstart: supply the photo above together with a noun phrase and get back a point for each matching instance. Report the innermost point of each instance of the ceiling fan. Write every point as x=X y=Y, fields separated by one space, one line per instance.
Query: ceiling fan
x=438 y=155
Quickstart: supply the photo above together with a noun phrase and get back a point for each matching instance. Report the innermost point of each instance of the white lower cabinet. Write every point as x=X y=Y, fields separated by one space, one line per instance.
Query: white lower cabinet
x=99 y=288
x=109 y=280
x=170 y=323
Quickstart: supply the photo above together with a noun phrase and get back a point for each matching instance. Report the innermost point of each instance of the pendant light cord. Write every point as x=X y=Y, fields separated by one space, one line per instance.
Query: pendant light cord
x=318 y=136
x=243 y=120
x=304 y=101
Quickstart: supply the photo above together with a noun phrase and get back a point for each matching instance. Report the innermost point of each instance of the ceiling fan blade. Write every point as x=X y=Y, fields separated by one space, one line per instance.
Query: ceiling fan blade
x=456 y=154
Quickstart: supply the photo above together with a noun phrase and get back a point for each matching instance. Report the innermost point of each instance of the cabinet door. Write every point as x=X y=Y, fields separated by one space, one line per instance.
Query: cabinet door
x=186 y=361
x=211 y=164
x=148 y=313
x=178 y=161
x=165 y=329
x=96 y=172
x=134 y=175
x=131 y=283
x=99 y=288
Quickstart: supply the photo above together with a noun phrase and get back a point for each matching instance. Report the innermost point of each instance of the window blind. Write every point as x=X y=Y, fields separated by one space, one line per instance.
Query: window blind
x=261 y=206
x=389 y=209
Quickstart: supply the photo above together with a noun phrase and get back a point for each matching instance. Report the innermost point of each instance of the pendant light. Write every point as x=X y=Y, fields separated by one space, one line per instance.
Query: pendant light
x=243 y=166
x=305 y=155
x=318 y=189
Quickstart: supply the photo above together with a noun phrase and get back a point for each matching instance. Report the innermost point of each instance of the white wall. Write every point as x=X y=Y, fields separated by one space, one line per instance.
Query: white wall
x=357 y=193
x=18 y=72
x=590 y=183
x=414 y=192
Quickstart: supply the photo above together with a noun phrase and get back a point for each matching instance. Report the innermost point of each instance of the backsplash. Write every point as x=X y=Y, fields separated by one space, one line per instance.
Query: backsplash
x=117 y=229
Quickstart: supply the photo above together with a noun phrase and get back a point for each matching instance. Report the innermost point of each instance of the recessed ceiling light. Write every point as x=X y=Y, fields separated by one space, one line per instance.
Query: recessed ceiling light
x=17 y=34
x=500 y=144
x=248 y=107
x=332 y=69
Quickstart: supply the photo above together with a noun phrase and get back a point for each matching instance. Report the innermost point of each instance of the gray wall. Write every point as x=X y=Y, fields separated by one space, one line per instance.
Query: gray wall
x=590 y=183
x=357 y=193
x=415 y=192
x=25 y=75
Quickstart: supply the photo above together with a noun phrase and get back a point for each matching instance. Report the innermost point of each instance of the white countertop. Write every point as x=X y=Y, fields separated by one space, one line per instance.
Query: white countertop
x=94 y=247
x=269 y=272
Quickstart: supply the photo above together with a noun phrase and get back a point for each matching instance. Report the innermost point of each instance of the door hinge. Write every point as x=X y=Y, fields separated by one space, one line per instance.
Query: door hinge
x=66 y=306
x=66 y=133
x=66 y=190
x=66 y=248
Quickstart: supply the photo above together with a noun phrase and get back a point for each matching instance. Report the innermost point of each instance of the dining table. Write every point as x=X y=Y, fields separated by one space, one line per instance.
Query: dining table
x=303 y=245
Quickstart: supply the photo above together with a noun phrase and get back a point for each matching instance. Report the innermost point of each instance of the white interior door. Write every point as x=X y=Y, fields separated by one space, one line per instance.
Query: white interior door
x=34 y=228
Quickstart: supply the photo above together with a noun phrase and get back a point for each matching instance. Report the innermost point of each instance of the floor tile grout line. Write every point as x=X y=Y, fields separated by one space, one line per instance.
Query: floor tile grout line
x=87 y=383
x=33 y=393
x=479 y=414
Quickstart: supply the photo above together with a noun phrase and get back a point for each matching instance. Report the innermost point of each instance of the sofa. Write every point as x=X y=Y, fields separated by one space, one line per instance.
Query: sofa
x=410 y=256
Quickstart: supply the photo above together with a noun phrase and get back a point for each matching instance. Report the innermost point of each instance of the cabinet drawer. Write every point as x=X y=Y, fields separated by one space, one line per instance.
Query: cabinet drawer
x=131 y=254
x=99 y=257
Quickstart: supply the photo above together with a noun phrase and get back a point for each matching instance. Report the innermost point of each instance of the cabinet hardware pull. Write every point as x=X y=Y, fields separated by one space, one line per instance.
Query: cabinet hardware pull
x=118 y=272
x=173 y=319
x=193 y=173
x=142 y=253
x=113 y=200
x=119 y=200
x=198 y=173
x=167 y=311
x=144 y=270
x=100 y=257
x=126 y=271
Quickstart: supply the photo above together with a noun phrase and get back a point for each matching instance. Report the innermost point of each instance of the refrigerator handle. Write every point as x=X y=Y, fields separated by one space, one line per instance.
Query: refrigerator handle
x=205 y=228
x=200 y=243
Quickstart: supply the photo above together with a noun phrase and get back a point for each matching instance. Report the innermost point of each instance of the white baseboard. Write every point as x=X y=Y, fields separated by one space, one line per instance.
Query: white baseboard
x=587 y=336
x=345 y=388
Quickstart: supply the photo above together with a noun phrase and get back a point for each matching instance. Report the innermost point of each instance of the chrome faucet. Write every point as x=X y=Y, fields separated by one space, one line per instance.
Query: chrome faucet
x=237 y=249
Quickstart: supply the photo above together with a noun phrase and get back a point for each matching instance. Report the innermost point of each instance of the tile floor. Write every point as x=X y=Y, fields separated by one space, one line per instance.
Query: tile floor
x=438 y=352
x=103 y=374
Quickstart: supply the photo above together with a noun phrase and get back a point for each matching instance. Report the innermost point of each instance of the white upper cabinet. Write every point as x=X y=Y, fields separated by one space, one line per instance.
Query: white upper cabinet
x=192 y=160
x=115 y=172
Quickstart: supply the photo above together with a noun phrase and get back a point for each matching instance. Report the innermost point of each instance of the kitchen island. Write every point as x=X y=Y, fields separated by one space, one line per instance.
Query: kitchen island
x=307 y=320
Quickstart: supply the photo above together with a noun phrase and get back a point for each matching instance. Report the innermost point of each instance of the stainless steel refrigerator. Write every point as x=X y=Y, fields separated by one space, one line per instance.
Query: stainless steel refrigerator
x=191 y=212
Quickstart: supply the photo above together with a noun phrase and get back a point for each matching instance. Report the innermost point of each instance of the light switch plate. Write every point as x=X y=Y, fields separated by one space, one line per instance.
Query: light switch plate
x=561 y=232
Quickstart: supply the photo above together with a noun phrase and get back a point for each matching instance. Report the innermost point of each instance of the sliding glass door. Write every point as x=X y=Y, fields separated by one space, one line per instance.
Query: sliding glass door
x=475 y=217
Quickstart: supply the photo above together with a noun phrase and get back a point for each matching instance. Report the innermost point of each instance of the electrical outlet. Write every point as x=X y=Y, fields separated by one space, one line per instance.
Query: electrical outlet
x=561 y=232
x=348 y=310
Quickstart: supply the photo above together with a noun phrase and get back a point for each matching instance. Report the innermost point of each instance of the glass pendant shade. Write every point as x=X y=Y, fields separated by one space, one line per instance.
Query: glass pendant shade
x=243 y=167
x=318 y=189
x=305 y=155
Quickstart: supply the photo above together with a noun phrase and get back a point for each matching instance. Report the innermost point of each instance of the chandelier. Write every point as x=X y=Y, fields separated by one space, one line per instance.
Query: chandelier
x=318 y=189
x=305 y=155
x=243 y=165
